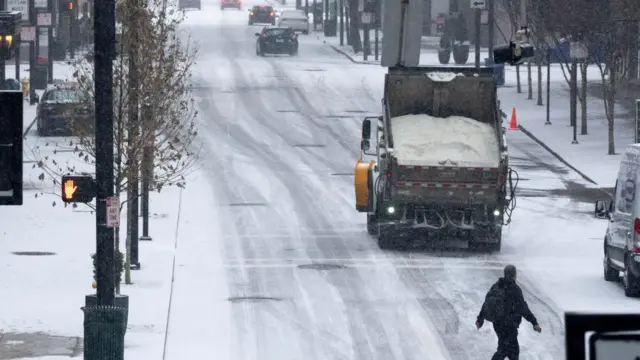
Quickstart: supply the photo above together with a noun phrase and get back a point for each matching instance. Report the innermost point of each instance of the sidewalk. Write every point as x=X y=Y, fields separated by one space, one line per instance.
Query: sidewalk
x=588 y=157
x=47 y=271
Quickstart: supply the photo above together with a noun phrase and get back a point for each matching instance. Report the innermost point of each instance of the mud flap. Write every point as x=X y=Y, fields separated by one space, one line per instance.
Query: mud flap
x=362 y=185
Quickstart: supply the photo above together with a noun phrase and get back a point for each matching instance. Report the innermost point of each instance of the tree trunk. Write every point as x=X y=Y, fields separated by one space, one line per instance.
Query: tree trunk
x=529 y=82
x=354 y=24
x=583 y=98
x=539 y=83
x=127 y=258
x=518 y=84
x=610 y=102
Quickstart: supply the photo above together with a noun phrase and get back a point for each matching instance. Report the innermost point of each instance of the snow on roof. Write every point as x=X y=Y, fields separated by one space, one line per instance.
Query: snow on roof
x=428 y=141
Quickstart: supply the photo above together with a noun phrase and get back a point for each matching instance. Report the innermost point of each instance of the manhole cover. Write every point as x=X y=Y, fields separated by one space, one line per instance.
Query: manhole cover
x=33 y=253
x=247 y=204
x=287 y=111
x=236 y=299
x=309 y=145
x=321 y=266
x=339 y=116
x=315 y=70
x=342 y=174
x=355 y=111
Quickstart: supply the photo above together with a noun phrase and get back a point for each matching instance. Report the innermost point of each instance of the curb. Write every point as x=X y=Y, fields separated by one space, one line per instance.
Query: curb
x=345 y=54
x=555 y=154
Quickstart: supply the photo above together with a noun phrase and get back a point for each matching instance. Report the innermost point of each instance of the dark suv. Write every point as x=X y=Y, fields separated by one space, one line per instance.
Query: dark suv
x=64 y=110
x=277 y=40
x=262 y=14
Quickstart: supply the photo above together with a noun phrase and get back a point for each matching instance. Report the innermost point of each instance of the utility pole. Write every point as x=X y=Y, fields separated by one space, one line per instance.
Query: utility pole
x=492 y=27
x=341 y=12
x=33 y=48
x=54 y=16
x=2 y=64
x=548 y=122
x=478 y=18
x=573 y=111
x=72 y=33
x=134 y=131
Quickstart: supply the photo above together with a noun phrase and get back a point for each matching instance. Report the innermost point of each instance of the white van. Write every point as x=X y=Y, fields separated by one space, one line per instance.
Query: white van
x=622 y=239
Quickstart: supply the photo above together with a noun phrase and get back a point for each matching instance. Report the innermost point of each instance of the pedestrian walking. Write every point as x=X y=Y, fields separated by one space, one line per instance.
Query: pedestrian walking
x=505 y=307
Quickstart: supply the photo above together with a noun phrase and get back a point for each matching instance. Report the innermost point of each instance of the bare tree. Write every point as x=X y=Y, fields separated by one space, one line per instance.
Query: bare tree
x=167 y=126
x=618 y=44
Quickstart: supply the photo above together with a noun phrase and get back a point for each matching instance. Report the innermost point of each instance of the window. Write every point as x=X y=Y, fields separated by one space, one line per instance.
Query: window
x=277 y=32
x=64 y=96
x=626 y=189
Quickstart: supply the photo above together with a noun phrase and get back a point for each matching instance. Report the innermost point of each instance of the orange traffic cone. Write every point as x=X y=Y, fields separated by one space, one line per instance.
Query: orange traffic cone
x=513 y=124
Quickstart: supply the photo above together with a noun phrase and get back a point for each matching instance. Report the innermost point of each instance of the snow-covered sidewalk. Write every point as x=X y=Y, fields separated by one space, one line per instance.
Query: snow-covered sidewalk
x=47 y=271
x=589 y=156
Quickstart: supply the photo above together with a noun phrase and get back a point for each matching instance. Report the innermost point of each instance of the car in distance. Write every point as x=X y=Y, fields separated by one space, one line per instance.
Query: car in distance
x=230 y=4
x=262 y=14
x=294 y=19
x=277 y=40
x=189 y=4
x=64 y=110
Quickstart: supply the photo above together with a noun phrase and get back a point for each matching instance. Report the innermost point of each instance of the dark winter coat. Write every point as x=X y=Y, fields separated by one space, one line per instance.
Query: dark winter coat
x=515 y=306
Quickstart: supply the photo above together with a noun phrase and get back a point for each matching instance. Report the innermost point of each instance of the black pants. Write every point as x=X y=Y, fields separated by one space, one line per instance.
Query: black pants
x=508 y=346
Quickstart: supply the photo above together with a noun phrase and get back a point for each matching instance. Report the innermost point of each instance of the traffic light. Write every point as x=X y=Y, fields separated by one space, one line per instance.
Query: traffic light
x=512 y=53
x=77 y=188
x=11 y=107
x=9 y=33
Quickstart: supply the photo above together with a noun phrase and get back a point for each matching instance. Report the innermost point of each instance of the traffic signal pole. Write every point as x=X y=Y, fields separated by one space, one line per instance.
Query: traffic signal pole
x=104 y=40
x=105 y=322
x=2 y=65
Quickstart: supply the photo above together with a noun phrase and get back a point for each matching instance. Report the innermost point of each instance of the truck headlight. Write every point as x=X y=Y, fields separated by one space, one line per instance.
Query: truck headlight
x=391 y=210
x=496 y=212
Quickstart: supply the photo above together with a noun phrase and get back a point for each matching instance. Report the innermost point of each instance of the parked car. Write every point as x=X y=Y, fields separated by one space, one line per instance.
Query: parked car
x=189 y=4
x=64 y=110
x=294 y=19
x=262 y=14
x=276 y=40
x=230 y=4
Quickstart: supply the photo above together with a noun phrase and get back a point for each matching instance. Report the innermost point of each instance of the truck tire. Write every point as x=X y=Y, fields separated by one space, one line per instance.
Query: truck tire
x=386 y=237
x=390 y=239
x=372 y=224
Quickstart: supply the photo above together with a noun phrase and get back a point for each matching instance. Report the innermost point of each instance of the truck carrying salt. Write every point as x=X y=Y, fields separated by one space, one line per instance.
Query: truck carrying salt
x=423 y=140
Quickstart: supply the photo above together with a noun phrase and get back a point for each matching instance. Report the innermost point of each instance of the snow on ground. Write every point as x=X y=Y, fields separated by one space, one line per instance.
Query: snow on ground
x=45 y=294
x=418 y=141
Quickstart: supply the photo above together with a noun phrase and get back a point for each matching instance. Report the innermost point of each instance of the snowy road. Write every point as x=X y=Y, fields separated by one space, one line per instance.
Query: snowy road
x=287 y=266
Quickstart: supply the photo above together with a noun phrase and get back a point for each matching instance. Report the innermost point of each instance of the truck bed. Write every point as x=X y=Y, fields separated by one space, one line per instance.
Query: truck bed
x=424 y=140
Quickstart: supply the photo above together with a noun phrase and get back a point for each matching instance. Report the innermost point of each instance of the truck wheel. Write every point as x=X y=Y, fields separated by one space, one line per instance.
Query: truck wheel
x=610 y=273
x=372 y=224
x=630 y=281
x=386 y=240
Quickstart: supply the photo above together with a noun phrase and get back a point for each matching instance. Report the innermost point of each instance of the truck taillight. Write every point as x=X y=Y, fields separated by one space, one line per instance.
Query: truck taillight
x=251 y=13
x=636 y=230
x=503 y=179
x=272 y=14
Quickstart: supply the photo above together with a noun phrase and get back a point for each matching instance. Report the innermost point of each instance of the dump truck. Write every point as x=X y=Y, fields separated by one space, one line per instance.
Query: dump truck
x=438 y=160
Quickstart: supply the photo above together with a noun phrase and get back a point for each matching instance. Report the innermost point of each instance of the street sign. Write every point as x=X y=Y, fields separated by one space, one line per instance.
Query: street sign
x=40 y=4
x=367 y=18
x=113 y=212
x=28 y=33
x=478 y=4
x=19 y=5
x=578 y=50
x=44 y=19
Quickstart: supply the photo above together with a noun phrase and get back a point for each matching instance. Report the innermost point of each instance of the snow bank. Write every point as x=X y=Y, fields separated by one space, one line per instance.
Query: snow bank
x=427 y=140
